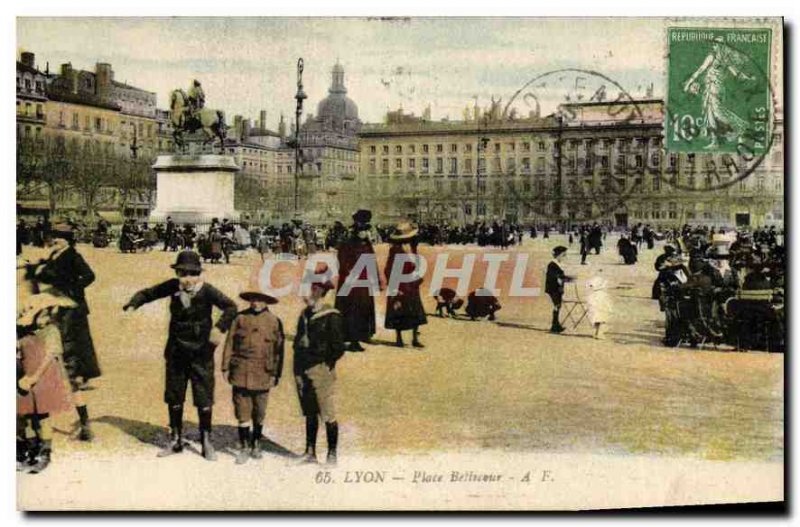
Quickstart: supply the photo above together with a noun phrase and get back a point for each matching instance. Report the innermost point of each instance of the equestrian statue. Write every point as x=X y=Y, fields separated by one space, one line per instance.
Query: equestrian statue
x=188 y=114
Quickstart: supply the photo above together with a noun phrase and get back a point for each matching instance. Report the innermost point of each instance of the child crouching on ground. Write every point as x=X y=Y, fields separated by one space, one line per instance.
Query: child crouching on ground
x=447 y=302
x=482 y=303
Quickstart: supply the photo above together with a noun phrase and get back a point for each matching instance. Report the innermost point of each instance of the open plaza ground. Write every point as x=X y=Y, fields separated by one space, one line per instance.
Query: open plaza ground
x=493 y=392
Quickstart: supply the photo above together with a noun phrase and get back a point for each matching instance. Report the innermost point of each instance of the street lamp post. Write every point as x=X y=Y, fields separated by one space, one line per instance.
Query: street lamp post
x=299 y=97
x=482 y=144
x=134 y=144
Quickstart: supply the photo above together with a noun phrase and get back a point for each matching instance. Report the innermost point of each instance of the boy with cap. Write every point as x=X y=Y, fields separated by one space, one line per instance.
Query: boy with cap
x=554 y=286
x=318 y=345
x=190 y=346
x=252 y=361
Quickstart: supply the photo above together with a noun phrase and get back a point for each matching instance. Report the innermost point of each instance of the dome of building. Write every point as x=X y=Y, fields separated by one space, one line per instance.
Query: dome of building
x=337 y=108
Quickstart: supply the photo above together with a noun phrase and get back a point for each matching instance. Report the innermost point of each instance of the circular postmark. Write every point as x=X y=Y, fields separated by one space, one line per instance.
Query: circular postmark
x=720 y=105
x=589 y=185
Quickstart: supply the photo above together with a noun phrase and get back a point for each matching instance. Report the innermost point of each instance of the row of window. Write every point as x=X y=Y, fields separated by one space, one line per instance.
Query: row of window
x=621 y=144
x=30 y=86
x=30 y=110
x=574 y=187
x=104 y=125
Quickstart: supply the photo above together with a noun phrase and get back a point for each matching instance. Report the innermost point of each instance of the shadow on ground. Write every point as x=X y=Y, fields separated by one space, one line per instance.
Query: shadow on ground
x=224 y=437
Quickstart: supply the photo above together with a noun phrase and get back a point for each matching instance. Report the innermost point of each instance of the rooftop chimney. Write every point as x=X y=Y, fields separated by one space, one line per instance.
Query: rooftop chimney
x=245 y=129
x=263 y=121
x=28 y=58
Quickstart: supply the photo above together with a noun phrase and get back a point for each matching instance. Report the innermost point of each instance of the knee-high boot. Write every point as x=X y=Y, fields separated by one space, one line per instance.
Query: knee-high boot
x=175 y=445
x=332 y=432
x=312 y=426
x=204 y=417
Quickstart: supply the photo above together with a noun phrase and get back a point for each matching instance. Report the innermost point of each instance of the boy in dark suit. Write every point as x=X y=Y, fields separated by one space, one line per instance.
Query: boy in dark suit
x=318 y=344
x=554 y=286
x=190 y=346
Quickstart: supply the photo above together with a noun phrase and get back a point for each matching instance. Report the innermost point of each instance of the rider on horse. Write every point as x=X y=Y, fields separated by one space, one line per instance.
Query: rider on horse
x=196 y=97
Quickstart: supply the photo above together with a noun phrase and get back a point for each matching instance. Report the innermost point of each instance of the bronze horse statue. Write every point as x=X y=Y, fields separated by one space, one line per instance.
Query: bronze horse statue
x=212 y=122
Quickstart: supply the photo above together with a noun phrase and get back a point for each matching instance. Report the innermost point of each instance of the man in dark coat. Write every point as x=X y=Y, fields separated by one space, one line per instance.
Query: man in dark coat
x=596 y=238
x=584 y=242
x=318 y=345
x=358 y=305
x=554 y=286
x=668 y=266
x=253 y=362
x=169 y=234
x=190 y=346
x=66 y=270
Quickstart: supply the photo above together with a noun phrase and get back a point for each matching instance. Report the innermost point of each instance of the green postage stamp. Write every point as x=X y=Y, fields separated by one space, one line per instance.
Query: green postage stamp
x=719 y=96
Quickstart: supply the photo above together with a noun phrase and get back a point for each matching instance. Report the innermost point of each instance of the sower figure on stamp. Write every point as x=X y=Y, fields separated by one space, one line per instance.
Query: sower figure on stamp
x=357 y=305
x=708 y=80
x=253 y=362
x=554 y=286
x=190 y=345
x=318 y=345
x=67 y=271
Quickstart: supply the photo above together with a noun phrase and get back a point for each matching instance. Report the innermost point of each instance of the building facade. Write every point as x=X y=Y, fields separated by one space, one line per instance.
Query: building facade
x=592 y=162
x=328 y=155
x=104 y=131
x=31 y=97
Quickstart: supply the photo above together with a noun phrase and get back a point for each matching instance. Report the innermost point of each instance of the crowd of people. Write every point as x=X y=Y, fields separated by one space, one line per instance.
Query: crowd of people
x=723 y=287
x=497 y=233
x=713 y=285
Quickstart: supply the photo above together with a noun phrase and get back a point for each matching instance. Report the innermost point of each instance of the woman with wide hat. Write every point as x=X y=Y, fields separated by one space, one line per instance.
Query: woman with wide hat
x=190 y=346
x=358 y=304
x=404 y=310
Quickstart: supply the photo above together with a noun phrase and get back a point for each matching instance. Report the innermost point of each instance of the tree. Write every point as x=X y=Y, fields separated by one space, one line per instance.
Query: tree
x=88 y=173
x=43 y=168
x=133 y=179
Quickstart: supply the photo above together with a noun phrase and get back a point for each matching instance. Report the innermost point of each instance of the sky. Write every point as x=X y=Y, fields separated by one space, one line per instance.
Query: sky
x=249 y=64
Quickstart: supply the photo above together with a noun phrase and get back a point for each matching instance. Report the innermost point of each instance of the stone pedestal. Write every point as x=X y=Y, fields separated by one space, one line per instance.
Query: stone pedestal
x=194 y=188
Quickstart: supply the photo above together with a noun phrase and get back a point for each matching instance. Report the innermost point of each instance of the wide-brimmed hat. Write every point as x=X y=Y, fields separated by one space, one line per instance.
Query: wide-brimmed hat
x=362 y=216
x=559 y=250
x=257 y=296
x=187 y=261
x=404 y=231
x=35 y=304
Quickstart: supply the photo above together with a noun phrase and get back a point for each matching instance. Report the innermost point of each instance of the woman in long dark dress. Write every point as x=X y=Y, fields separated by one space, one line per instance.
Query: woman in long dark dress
x=404 y=310
x=358 y=305
x=67 y=271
